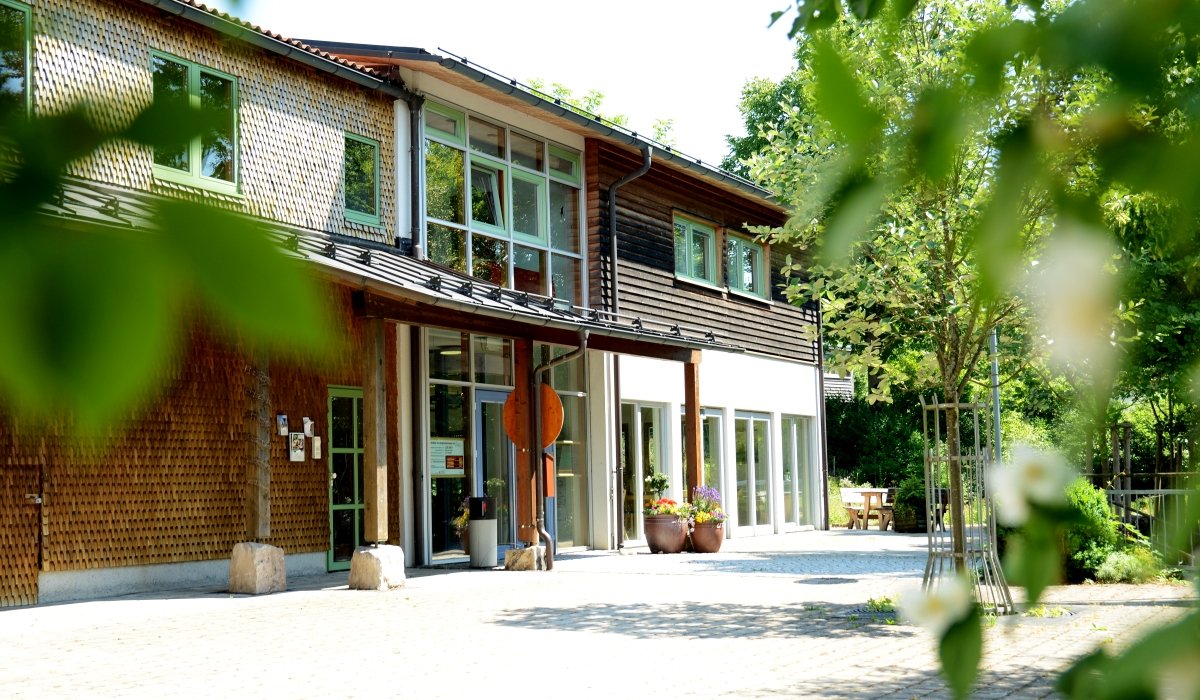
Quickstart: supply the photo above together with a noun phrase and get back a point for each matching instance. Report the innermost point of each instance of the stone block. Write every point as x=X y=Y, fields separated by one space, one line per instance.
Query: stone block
x=379 y=568
x=257 y=568
x=525 y=559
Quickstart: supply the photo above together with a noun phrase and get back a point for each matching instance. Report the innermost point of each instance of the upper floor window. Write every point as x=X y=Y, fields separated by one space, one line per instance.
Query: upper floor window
x=15 y=57
x=210 y=159
x=362 y=180
x=695 y=250
x=502 y=205
x=744 y=266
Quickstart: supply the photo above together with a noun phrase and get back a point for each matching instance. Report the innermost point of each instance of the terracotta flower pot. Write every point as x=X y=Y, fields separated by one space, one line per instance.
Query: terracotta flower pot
x=666 y=534
x=707 y=537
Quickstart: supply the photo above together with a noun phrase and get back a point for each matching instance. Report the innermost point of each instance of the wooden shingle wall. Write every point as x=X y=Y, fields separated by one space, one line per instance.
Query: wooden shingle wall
x=647 y=283
x=171 y=486
x=292 y=119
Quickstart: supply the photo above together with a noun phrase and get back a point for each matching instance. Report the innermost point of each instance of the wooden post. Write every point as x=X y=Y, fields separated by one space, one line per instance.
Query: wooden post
x=694 y=465
x=526 y=467
x=374 y=468
x=258 y=467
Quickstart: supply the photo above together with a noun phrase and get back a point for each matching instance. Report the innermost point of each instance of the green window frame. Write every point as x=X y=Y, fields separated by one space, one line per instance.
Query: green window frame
x=192 y=169
x=437 y=115
x=745 y=267
x=10 y=101
x=356 y=201
x=695 y=250
x=564 y=164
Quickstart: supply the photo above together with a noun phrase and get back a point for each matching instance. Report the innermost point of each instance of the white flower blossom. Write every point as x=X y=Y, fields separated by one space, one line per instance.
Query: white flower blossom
x=945 y=603
x=1077 y=294
x=1032 y=477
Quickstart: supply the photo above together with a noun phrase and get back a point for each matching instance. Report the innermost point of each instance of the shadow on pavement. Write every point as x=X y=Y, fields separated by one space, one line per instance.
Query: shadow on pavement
x=707 y=621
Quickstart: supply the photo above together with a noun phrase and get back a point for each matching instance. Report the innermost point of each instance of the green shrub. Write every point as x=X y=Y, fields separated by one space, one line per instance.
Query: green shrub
x=1133 y=565
x=1093 y=537
x=837 y=508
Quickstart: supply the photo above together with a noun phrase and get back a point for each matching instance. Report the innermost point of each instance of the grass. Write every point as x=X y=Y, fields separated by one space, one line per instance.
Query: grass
x=1043 y=611
x=885 y=604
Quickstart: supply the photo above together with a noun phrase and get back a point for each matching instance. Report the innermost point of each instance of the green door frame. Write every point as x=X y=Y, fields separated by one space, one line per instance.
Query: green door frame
x=356 y=449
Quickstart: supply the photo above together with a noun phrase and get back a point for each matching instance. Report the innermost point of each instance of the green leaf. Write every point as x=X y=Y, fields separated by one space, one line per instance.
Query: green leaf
x=855 y=210
x=866 y=9
x=960 y=651
x=244 y=277
x=1033 y=559
x=937 y=127
x=775 y=17
x=840 y=100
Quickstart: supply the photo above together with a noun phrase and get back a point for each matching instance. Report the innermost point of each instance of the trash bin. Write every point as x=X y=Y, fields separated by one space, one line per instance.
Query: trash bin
x=481 y=531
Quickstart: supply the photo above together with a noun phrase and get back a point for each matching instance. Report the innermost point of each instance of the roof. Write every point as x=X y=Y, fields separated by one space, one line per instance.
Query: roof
x=472 y=76
x=386 y=273
x=315 y=57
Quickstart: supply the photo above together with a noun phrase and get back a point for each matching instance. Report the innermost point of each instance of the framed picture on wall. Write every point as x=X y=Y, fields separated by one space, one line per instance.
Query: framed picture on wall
x=308 y=426
x=296 y=449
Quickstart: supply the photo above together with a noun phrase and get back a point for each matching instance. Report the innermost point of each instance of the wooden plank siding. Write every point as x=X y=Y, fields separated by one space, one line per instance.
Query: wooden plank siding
x=648 y=285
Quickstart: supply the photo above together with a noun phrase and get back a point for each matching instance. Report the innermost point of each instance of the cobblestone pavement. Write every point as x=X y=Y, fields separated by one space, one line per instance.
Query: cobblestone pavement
x=771 y=616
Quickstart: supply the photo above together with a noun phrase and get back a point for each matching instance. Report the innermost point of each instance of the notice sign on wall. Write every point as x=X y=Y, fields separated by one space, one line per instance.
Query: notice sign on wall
x=446 y=457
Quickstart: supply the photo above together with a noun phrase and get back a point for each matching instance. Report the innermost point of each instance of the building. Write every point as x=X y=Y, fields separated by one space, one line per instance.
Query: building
x=460 y=227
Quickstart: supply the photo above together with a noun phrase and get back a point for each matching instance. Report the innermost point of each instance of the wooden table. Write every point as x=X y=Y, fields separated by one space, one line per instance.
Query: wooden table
x=863 y=501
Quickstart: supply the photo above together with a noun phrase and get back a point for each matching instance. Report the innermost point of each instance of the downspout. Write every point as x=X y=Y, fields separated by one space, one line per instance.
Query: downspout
x=821 y=418
x=539 y=487
x=615 y=307
x=416 y=175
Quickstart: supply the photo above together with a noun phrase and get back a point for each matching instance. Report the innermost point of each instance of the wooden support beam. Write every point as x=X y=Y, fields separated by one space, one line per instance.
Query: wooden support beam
x=374 y=468
x=526 y=468
x=693 y=462
x=258 y=468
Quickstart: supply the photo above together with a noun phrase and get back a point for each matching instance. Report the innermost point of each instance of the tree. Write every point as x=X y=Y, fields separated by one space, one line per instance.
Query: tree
x=1133 y=131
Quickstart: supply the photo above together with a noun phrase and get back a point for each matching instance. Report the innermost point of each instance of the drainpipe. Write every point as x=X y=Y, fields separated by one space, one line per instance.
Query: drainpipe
x=821 y=421
x=615 y=307
x=416 y=174
x=539 y=490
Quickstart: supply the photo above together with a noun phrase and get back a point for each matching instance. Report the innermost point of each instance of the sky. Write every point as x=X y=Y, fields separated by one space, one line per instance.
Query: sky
x=685 y=60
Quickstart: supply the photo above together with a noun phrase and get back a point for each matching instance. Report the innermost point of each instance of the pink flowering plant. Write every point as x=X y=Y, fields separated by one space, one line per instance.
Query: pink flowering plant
x=705 y=506
x=661 y=506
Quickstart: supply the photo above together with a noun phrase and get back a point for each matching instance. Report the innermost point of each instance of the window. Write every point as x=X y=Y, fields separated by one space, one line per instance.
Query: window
x=501 y=205
x=744 y=266
x=210 y=159
x=695 y=250
x=15 y=55
x=362 y=180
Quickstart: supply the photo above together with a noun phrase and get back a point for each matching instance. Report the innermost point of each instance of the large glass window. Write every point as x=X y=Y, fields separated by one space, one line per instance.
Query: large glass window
x=15 y=42
x=752 y=468
x=797 y=469
x=744 y=267
x=362 y=180
x=695 y=250
x=502 y=206
x=642 y=451
x=209 y=159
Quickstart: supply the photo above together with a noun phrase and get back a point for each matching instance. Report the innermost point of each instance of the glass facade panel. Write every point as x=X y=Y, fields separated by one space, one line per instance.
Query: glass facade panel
x=741 y=458
x=565 y=278
x=361 y=176
x=444 y=183
x=494 y=452
x=487 y=138
x=14 y=64
x=487 y=194
x=710 y=445
x=447 y=420
x=341 y=432
x=216 y=143
x=564 y=217
x=447 y=246
x=447 y=355
x=529 y=270
x=171 y=88
x=528 y=152
x=493 y=360
x=570 y=456
x=489 y=259
x=700 y=247
x=528 y=207
x=789 y=471
x=762 y=472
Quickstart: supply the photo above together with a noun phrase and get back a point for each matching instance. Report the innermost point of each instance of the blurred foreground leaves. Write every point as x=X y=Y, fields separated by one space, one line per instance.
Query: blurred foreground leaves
x=92 y=314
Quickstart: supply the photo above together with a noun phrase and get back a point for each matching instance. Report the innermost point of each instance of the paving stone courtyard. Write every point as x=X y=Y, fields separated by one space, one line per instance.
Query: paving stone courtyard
x=779 y=616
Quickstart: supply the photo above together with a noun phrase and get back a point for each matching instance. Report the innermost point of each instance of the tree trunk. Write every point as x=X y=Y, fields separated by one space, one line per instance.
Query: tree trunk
x=954 y=456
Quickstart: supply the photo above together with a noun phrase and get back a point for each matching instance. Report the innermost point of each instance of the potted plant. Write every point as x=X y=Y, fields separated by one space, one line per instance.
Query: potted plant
x=706 y=520
x=666 y=528
x=908 y=514
x=656 y=484
x=460 y=523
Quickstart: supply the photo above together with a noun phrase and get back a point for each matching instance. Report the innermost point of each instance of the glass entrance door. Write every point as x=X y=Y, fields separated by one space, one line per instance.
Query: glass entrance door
x=345 y=476
x=641 y=456
x=495 y=463
x=752 y=457
x=797 y=468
